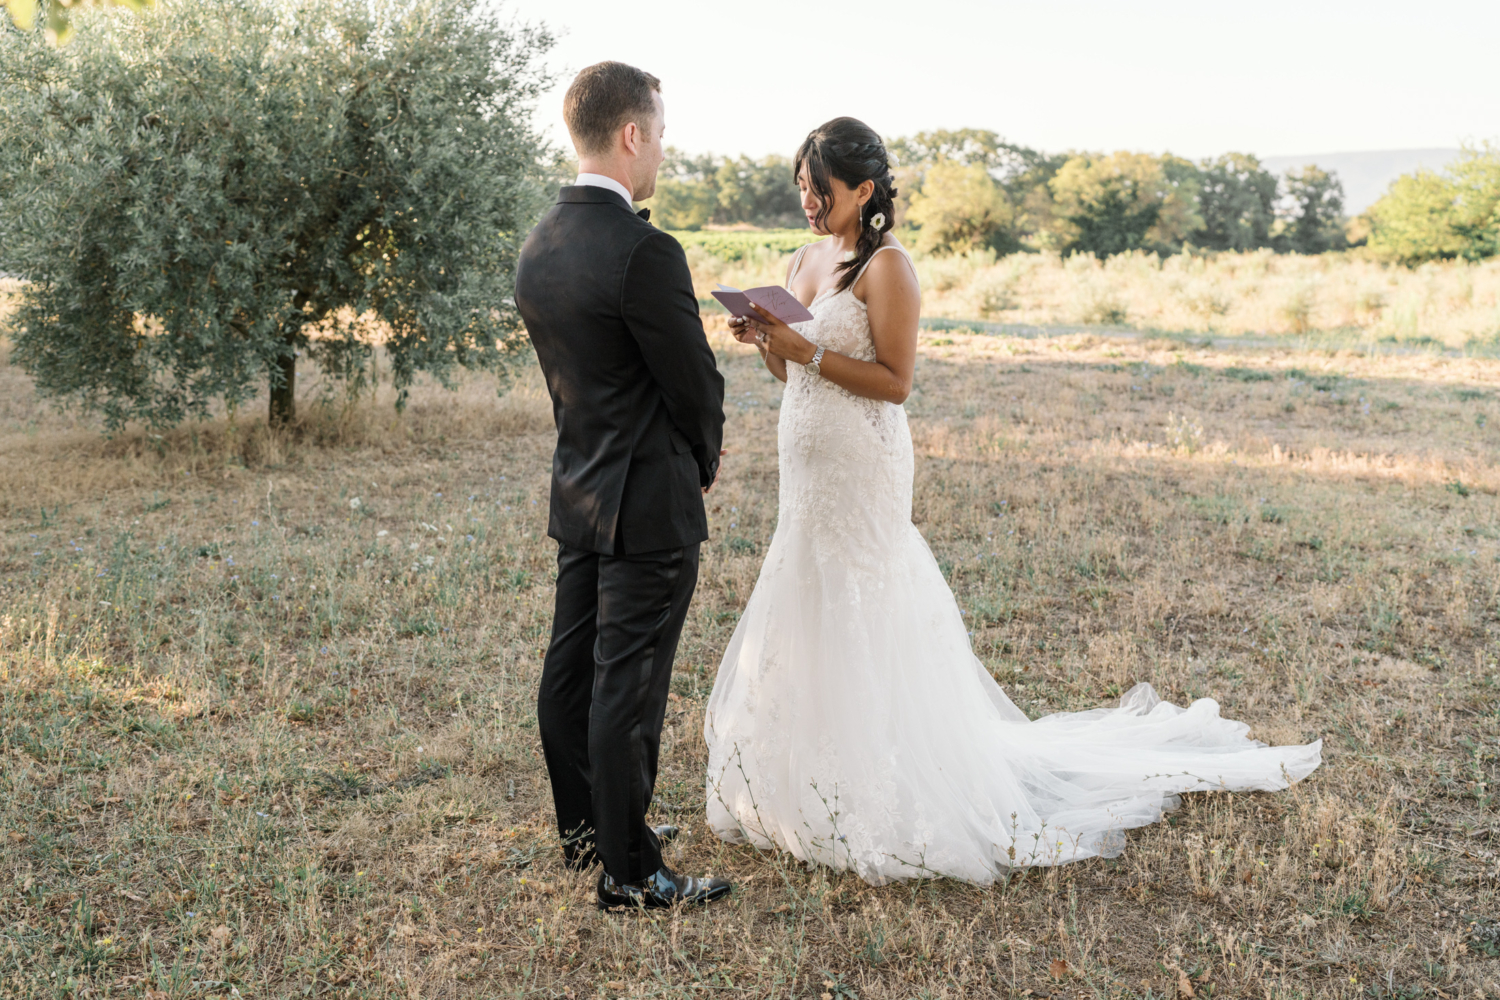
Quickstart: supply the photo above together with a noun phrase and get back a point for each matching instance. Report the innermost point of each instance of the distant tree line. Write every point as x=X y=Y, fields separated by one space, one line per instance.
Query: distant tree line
x=965 y=189
x=696 y=191
x=969 y=188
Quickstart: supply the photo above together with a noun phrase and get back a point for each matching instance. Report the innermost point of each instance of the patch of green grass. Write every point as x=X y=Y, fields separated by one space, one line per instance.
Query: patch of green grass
x=736 y=245
x=1318 y=381
x=1246 y=374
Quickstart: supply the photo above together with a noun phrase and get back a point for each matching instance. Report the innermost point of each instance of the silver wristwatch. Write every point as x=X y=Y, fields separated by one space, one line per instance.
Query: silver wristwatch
x=812 y=366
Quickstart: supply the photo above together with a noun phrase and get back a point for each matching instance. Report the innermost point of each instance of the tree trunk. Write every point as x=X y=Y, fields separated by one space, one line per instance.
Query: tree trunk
x=284 y=387
x=284 y=390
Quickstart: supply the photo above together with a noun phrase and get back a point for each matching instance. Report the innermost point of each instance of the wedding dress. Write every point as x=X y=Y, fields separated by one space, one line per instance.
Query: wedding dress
x=851 y=724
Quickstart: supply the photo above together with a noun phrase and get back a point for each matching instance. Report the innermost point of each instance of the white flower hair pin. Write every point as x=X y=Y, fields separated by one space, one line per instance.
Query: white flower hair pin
x=877 y=221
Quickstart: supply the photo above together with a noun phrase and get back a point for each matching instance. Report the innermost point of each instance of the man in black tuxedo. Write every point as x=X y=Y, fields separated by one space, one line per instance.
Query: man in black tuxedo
x=639 y=404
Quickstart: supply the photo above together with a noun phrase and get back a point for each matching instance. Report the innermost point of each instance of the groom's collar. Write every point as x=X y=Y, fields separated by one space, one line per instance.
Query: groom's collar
x=608 y=183
x=585 y=194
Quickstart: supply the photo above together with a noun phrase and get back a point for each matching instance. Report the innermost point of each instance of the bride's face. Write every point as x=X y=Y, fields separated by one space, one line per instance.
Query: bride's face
x=842 y=214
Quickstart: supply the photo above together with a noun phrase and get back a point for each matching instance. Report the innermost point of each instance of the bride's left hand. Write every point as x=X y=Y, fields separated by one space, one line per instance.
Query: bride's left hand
x=780 y=339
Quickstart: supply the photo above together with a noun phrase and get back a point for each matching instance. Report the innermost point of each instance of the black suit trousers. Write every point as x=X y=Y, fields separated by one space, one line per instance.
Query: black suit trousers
x=603 y=697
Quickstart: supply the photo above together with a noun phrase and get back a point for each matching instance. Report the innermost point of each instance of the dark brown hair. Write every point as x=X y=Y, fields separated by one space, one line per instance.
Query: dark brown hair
x=850 y=150
x=603 y=99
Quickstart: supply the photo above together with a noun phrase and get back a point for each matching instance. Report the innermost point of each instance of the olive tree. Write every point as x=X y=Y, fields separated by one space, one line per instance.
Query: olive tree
x=192 y=195
x=58 y=20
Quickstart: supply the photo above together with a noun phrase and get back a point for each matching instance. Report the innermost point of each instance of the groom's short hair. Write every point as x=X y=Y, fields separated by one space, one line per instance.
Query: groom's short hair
x=603 y=99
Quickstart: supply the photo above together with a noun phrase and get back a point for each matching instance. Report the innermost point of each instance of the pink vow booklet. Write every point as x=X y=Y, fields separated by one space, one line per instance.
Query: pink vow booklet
x=774 y=299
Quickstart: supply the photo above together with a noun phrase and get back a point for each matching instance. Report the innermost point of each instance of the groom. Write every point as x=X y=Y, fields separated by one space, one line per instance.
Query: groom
x=639 y=406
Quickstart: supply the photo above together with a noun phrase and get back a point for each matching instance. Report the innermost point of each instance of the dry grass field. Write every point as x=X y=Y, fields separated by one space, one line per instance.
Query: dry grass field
x=1330 y=298
x=267 y=725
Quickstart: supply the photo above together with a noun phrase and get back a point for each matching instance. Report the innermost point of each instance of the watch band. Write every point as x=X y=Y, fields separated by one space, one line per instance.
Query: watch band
x=814 y=367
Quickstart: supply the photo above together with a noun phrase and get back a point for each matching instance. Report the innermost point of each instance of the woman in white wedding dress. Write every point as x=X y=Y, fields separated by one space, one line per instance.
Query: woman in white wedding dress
x=850 y=723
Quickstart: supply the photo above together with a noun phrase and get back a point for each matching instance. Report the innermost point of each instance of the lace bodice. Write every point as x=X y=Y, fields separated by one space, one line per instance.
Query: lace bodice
x=844 y=458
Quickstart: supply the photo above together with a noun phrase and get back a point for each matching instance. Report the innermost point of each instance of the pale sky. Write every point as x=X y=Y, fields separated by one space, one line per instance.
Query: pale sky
x=1196 y=79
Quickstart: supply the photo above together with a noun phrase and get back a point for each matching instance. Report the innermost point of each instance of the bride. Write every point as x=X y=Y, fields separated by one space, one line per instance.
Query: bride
x=850 y=723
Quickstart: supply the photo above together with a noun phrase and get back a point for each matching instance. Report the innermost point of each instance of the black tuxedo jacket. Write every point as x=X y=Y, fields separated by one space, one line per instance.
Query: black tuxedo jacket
x=638 y=400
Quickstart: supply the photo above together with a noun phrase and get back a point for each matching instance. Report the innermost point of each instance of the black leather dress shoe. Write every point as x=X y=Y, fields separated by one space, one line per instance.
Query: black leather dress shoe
x=660 y=891
x=665 y=834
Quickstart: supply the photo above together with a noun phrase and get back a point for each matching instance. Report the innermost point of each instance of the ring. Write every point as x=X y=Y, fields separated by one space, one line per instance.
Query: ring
x=761 y=336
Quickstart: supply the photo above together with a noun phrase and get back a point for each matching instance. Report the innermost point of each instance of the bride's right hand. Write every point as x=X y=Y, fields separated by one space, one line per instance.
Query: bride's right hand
x=745 y=331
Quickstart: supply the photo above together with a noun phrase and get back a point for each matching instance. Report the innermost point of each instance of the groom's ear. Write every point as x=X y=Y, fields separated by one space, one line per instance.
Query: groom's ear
x=644 y=129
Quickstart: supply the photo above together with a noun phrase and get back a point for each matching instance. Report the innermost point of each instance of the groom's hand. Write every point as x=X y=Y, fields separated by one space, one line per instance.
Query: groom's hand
x=722 y=453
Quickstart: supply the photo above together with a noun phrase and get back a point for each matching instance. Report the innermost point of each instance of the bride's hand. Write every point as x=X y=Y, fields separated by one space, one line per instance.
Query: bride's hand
x=780 y=339
x=744 y=331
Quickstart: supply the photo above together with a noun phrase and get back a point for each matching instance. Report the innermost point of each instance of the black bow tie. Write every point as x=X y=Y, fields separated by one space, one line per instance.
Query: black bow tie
x=645 y=213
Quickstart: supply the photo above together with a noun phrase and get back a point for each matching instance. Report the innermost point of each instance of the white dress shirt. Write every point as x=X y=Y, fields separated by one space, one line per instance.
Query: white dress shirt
x=609 y=184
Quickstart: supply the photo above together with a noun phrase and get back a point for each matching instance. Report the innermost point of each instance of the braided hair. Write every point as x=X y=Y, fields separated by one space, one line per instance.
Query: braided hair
x=850 y=150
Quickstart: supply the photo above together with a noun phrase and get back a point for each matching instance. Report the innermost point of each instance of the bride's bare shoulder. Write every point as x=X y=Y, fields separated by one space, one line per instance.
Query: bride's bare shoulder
x=893 y=270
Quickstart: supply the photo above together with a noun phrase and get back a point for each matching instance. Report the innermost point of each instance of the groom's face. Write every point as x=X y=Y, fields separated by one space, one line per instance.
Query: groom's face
x=650 y=151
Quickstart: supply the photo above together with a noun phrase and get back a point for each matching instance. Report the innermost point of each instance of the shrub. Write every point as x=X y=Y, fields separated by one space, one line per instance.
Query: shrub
x=1297 y=310
x=198 y=193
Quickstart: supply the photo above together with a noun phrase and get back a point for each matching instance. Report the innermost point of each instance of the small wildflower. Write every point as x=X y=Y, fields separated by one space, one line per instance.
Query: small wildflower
x=354 y=504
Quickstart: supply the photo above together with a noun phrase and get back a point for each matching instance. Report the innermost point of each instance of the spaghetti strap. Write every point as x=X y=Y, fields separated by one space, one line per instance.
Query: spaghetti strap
x=887 y=246
x=796 y=264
